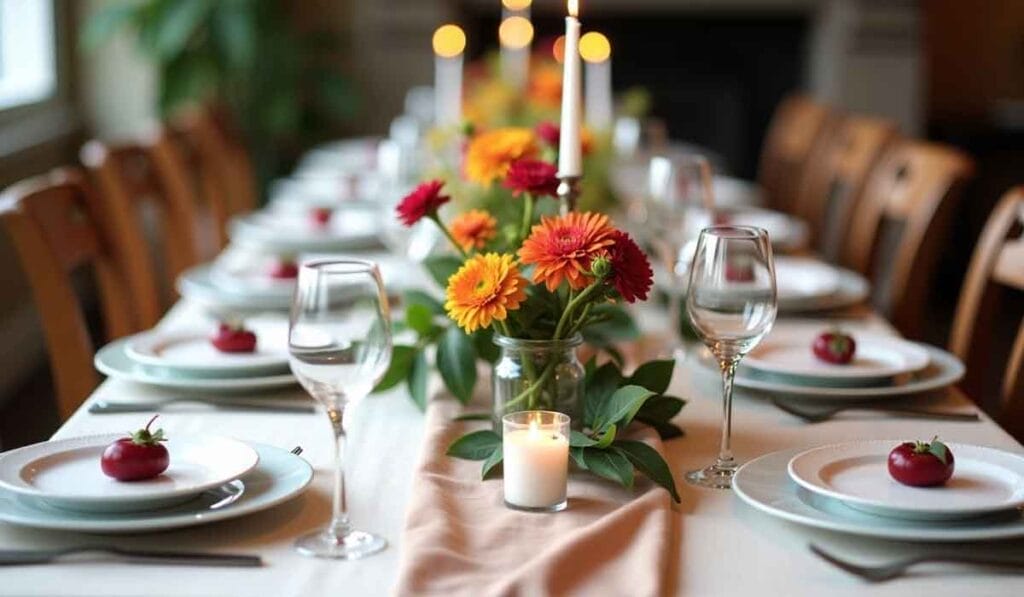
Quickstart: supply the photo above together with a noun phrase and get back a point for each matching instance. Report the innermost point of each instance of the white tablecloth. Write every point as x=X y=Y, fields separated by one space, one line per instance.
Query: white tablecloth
x=724 y=547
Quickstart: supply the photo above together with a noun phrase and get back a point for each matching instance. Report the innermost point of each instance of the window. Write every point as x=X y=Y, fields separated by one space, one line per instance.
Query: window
x=28 y=67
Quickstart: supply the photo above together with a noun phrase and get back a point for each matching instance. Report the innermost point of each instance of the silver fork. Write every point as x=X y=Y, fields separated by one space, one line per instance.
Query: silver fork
x=884 y=572
x=818 y=414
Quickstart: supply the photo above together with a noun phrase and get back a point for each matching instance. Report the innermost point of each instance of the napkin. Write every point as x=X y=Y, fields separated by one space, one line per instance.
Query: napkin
x=460 y=539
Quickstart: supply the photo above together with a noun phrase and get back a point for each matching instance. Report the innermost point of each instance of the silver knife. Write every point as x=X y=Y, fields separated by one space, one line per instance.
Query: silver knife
x=15 y=557
x=101 y=407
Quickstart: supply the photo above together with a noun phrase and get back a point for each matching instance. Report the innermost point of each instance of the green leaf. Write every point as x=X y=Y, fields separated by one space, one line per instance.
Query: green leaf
x=660 y=409
x=599 y=387
x=104 y=23
x=486 y=349
x=418 y=297
x=647 y=460
x=654 y=375
x=609 y=464
x=420 y=318
x=576 y=453
x=456 y=361
x=417 y=380
x=621 y=406
x=179 y=21
x=940 y=450
x=617 y=326
x=401 y=363
x=473 y=417
x=580 y=440
x=475 y=446
x=441 y=267
x=235 y=29
x=666 y=431
x=606 y=437
x=493 y=460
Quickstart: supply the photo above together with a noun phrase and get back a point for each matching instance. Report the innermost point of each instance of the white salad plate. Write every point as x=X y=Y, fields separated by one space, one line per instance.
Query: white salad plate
x=291 y=231
x=785 y=232
x=278 y=477
x=66 y=473
x=764 y=484
x=984 y=481
x=943 y=370
x=201 y=285
x=787 y=351
x=113 y=360
x=192 y=352
x=250 y=277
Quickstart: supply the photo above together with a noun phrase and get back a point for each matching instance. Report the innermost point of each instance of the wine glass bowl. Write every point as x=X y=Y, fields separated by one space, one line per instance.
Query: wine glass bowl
x=339 y=345
x=732 y=304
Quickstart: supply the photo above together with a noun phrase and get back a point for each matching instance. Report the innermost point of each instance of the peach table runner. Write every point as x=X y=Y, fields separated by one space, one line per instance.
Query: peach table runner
x=460 y=539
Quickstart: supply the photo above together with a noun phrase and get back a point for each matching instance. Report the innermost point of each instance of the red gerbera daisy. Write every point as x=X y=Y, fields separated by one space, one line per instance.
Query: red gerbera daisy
x=631 y=272
x=423 y=201
x=535 y=177
x=549 y=133
x=562 y=248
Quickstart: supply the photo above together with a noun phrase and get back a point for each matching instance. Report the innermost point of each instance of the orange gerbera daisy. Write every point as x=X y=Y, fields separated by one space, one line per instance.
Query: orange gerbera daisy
x=489 y=154
x=563 y=247
x=545 y=87
x=472 y=229
x=484 y=289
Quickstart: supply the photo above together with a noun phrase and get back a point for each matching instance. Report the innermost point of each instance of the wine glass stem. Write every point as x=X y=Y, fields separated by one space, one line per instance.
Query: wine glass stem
x=339 y=512
x=728 y=368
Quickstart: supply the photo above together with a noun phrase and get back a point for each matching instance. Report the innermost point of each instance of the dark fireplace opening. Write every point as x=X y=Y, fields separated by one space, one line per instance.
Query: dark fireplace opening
x=714 y=78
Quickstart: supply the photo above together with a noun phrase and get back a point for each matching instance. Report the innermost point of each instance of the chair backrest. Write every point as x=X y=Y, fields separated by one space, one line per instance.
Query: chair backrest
x=900 y=225
x=799 y=127
x=836 y=177
x=137 y=180
x=51 y=221
x=224 y=170
x=997 y=267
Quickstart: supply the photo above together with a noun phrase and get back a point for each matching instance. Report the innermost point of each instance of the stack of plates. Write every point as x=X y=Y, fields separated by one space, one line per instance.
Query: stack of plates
x=883 y=366
x=288 y=230
x=847 y=488
x=60 y=485
x=186 y=359
x=786 y=232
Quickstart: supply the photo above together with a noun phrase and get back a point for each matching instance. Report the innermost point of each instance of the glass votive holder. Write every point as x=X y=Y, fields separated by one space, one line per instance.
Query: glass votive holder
x=535 y=449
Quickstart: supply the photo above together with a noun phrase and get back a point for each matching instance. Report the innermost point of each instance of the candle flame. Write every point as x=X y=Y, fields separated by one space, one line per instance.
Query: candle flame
x=595 y=47
x=449 y=41
x=515 y=32
x=574 y=8
x=558 y=49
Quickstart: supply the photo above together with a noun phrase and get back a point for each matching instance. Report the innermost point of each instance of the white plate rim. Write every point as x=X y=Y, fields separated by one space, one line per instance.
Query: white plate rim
x=902 y=530
x=880 y=506
x=111 y=360
x=134 y=352
x=196 y=284
x=50 y=447
x=246 y=505
x=909 y=349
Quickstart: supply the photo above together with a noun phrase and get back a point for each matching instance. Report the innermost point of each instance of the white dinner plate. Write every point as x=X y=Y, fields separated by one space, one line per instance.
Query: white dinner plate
x=67 y=474
x=278 y=477
x=199 y=285
x=764 y=484
x=943 y=370
x=113 y=361
x=785 y=232
x=192 y=353
x=250 y=277
x=787 y=351
x=984 y=481
x=290 y=231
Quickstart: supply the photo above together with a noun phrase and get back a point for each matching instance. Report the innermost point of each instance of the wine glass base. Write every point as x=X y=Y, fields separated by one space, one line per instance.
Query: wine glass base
x=716 y=476
x=354 y=545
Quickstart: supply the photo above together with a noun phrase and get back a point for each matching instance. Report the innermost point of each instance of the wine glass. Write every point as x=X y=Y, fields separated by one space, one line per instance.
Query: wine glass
x=339 y=346
x=732 y=303
x=678 y=188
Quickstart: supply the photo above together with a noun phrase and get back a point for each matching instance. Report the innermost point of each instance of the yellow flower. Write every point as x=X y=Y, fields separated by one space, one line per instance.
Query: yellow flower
x=490 y=154
x=472 y=229
x=484 y=289
x=545 y=88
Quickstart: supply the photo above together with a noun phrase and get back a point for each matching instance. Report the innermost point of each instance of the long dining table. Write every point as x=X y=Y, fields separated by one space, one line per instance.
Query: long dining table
x=720 y=545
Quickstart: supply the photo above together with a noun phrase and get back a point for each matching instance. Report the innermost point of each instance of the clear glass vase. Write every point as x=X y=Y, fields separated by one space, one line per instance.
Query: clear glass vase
x=538 y=375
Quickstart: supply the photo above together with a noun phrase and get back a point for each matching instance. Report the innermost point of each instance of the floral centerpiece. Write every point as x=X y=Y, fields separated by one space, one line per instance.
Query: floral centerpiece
x=524 y=288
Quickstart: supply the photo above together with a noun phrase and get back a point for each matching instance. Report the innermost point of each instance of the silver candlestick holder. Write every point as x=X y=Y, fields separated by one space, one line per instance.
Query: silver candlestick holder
x=568 y=192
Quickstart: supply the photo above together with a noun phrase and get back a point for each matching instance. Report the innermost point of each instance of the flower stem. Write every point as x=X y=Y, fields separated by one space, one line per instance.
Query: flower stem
x=449 y=236
x=527 y=216
x=571 y=307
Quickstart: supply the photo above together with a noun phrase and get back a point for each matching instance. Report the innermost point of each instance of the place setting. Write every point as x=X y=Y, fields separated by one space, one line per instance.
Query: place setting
x=285 y=228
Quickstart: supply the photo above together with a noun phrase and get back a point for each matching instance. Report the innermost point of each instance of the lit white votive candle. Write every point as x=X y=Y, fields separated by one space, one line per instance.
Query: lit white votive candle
x=596 y=53
x=535 y=450
x=449 y=41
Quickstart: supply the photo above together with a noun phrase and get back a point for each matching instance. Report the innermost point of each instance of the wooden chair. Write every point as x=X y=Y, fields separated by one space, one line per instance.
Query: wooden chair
x=51 y=220
x=996 y=270
x=799 y=128
x=137 y=180
x=225 y=174
x=836 y=177
x=900 y=224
